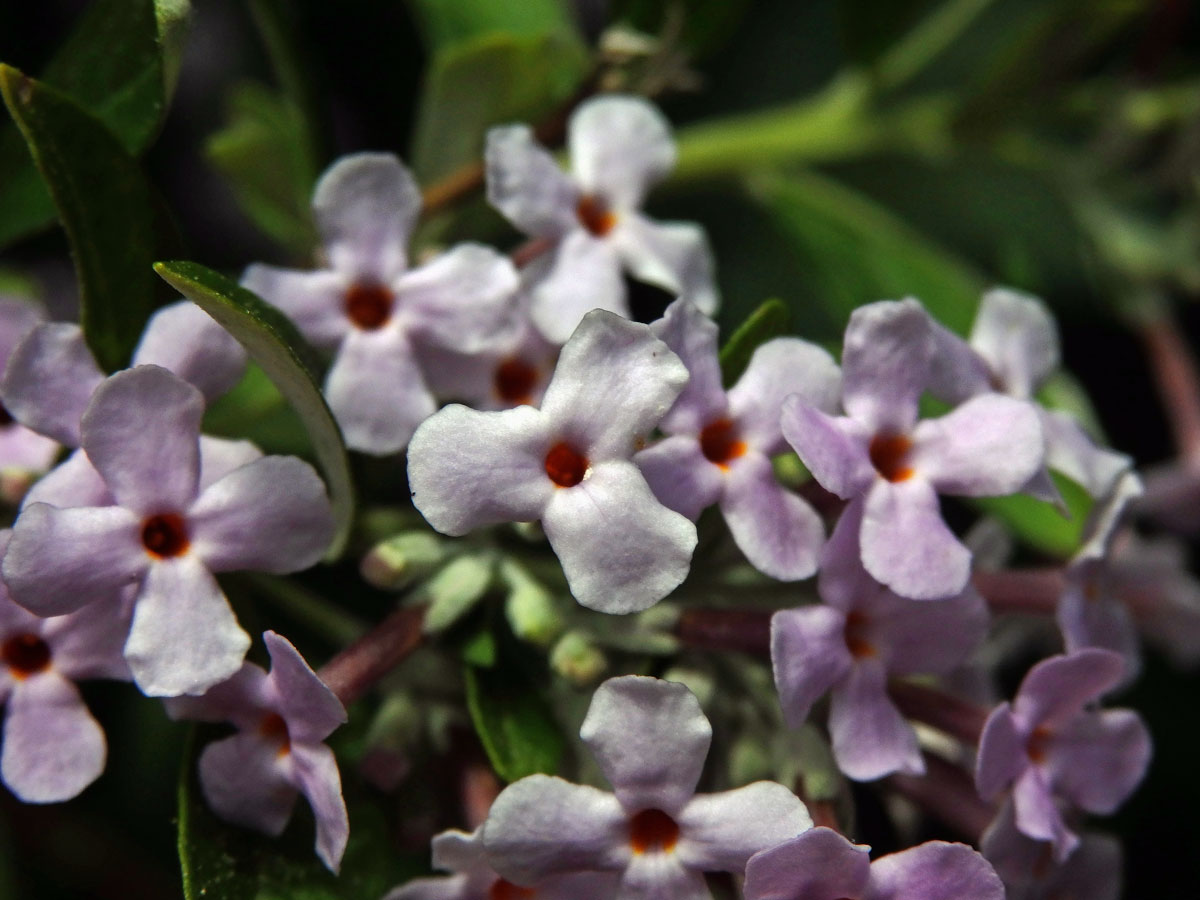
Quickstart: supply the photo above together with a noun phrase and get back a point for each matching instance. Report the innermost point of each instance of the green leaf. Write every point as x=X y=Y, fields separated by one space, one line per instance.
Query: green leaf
x=219 y=860
x=770 y=320
x=1041 y=525
x=854 y=252
x=696 y=26
x=490 y=80
x=447 y=22
x=274 y=343
x=119 y=64
x=514 y=723
x=113 y=218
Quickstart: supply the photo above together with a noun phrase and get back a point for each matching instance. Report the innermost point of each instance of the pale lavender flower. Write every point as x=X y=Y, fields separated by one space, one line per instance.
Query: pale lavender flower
x=373 y=310
x=650 y=739
x=164 y=536
x=719 y=444
x=619 y=147
x=53 y=747
x=885 y=461
x=23 y=453
x=822 y=865
x=253 y=777
x=850 y=644
x=568 y=465
x=1056 y=752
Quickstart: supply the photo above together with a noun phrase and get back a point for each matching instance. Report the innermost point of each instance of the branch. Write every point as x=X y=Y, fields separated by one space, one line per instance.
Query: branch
x=356 y=669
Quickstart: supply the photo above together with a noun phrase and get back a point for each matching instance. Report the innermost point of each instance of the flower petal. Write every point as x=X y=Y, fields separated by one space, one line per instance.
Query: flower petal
x=680 y=476
x=931 y=636
x=886 y=360
x=25 y=450
x=934 y=870
x=142 y=433
x=870 y=737
x=468 y=468
x=651 y=876
x=220 y=456
x=1071 y=451
x=958 y=372
x=310 y=708
x=614 y=382
x=819 y=864
x=621 y=550
x=188 y=341
x=809 y=656
x=366 y=205
x=692 y=336
x=620 y=146
x=184 y=637
x=89 y=643
x=650 y=739
x=720 y=832
x=674 y=256
x=62 y=559
x=542 y=826
x=583 y=274
x=778 y=369
x=1088 y=615
x=270 y=515
x=315 y=773
x=833 y=448
x=18 y=317
x=244 y=699
x=525 y=183
x=1017 y=336
x=49 y=379
x=1038 y=816
x=780 y=533
x=244 y=783
x=1056 y=689
x=1098 y=760
x=1001 y=756
x=73 y=482
x=315 y=301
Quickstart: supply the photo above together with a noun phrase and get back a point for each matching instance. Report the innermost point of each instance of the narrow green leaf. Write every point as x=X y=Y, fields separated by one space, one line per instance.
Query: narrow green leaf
x=514 y=723
x=447 y=22
x=1041 y=525
x=113 y=218
x=770 y=320
x=274 y=343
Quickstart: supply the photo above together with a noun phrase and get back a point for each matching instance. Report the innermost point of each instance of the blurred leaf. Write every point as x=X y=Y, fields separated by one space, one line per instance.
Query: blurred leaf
x=490 y=80
x=113 y=218
x=855 y=252
x=700 y=26
x=448 y=22
x=514 y=724
x=264 y=153
x=1041 y=525
x=869 y=27
x=255 y=410
x=771 y=320
x=220 y=861
x=274 y=343
x=119 y=64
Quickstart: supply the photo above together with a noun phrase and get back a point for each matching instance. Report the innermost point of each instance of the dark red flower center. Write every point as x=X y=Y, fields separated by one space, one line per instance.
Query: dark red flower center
x=652 y=829
x=369 y=306
x=506 y=890
x=165 y=535
x=856 y=636
x=1038 y=742
x=720 y=442
x=514 y=380
x=595 y=215
x=565 y=465
x=889 y=456
x=25 y=655
x=275 y=730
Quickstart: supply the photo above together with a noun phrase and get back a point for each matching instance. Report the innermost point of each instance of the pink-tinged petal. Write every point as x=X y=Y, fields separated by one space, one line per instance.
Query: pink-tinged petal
x=907 y=545
x=833 y=448
x=452 y=887
x=53 y=748
x=621 y=550
x=315 y=773
x=314 y=301
x=542 y=826
x=1001 y=755
x=592 y=885
x=958 y=372
x=73 y=482
x=1071 y=451
x=650 y=739
x=842 y=582
x=89 y=643
x=584 y=274
x=692 y=336
x=886 y=360
x=376 y=391
x=1088 y=615
x=185 y=339
x=870 y=737
x=1017 y=336
x=1038 y=815
x=142 y=433
x=720 y=832
x=779 y=532
x=18 y=317
x=271 y=515
x=620 y=146
x=990 y=445
x=680 y=476
x=244 y=782
x=809 y=655
x=465 y=299
x=310 y=708
x=24 y=449
x=934 y=871
x=59 y=560
x=1106 y=516
x=366 y=205
x=1098 y=760
x=468 y=468
x=614 y=382
x=184 y=637
x=778 y=369
x=819 y=864
x=243 y=699
x=220 y=456
x=49 y=380
x=458 y=851
x=1091 y=872
x=525 y=183
x=657 y=875
x=674 y=256
x=933 y=636
x=1056 y=689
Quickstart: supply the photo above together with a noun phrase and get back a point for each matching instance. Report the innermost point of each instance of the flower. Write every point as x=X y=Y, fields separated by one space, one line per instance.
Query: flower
x=373 y=310
x=893 y=467
x=619 y=147
x=719 y=444
x=23 y=452
x=650 y=739
x=164 y=535
x=568 y=464
x=252 y=778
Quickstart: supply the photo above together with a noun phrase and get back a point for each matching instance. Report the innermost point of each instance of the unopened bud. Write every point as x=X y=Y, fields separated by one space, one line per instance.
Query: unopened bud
x=575 y=658
x=455 y=589
x=532 y=613
x=398 y=561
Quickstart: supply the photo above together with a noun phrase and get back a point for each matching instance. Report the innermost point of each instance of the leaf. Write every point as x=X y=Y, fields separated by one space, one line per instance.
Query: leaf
x=1041 y=525
x=113 y=218
x=770 y=320
x=118 y=64
x=448 y=22
x=698 y=27
x=219 y=860
x=274 y=343
x=514 y=723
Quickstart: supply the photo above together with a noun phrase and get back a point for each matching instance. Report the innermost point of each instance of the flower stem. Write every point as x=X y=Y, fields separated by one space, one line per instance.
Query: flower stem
x=1174 y=367
x=356 y=669
x=748 y=630
x=946 y=792
x=1034 y=591
x=956 y=717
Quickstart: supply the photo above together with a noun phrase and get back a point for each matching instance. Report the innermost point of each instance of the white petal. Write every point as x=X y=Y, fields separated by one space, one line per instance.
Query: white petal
x=314 y=301
x=185 y=339
x=886 y=359
x=720 y=832
x=674 y=256
x=526 y=184
x=778 y=369
x=619 y=147
x=49 y=379
x=583 y=274
x=1017 y=336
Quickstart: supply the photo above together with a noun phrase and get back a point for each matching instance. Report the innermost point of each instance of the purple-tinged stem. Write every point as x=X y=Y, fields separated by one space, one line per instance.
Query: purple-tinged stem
x=530 y=250
x=360 y=666
x=1035 y=591
x=948 y=793
x=956 y=717
x=748 y=630
x=1175 y=371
